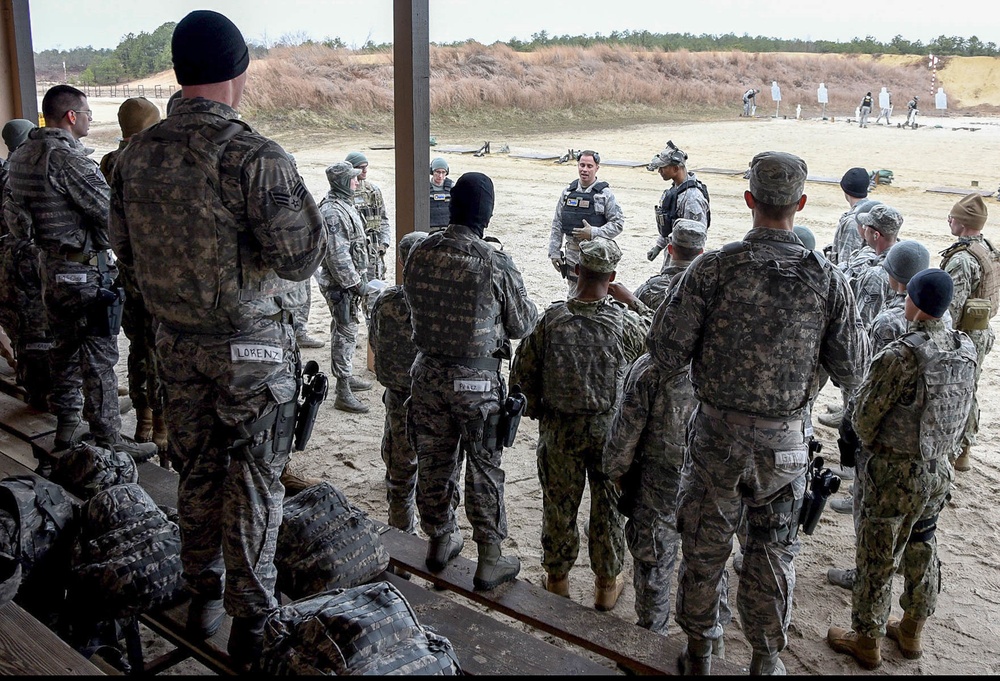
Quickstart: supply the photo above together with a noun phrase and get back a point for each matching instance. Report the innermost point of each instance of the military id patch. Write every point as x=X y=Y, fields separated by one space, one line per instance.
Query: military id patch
x=574 y=202
x=255 y=352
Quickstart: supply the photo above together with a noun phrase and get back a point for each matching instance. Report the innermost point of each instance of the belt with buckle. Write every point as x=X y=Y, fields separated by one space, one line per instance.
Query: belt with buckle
x=749 y=420
x=486 y=363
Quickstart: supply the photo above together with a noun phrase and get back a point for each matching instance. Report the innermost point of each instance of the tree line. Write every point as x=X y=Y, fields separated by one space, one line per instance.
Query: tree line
x=140 y=55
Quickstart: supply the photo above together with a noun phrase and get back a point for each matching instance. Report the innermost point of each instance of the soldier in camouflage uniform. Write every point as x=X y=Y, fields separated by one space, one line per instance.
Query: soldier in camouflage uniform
x=342 y=280
x=134 y=115
x=911 y=411
x=686 y=242
x=467 y=301
x=394 y=351
x=571 y=370
x=756 y=319
x=974 y=266
x=847 y=237
x=587 y=209
x=64 y=198
x=686 y=198
x=370 y=205
x=643 y=456
x=871 y=286
x=245 y=229
x=24 y=316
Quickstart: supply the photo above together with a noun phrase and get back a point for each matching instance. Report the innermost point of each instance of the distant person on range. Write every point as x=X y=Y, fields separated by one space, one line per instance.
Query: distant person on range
x=134 y=115
x=974 y=265
x=911 y=411
x=587 y=209
x=750 y=103
x=441 y=186
x=687 y=197
x=64 y=195
x=243 y=230
x=885 y=110
x=463 y=333
x=911 y=112
x=865 y=110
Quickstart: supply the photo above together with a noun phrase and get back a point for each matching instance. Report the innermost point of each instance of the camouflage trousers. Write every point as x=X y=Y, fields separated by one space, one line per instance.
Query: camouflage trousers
x=442 y=424
x=653 y=542
x=82 y=363
x=23 y=317
x=343 y=340
x=729 y=467
x=300 y=300
x=983 y=340
x=400 y=463
x=569 y=453
x=137 y=323
x=898 y=518
x=229 y=499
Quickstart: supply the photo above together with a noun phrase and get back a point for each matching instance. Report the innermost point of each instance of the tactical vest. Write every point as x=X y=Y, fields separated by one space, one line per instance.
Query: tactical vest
x=394 y=351
x=57 y=226
x=867 y=101
x=989 y=278
x=441 y=204
x=584 y=359
x=667 y=211
x=933 y=423
x=354 y=229
x=449 y=287
x=761 y=305
x=218 y=282
x=370 y=206
x=578 y=206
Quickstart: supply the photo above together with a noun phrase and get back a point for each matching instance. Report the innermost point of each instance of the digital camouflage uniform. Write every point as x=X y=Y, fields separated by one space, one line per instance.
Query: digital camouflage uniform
x=378 y=233
x=571 y=369
x=143 y=380
x=756 y=320
x=52 y=181
x=909 y=426
x=607 y=220
x=225 y=346
x=889 y=324
x=390 y=339
x=871 y=289
x=342 y=276
x=846 y=238
x=654 y=290
x=691 y=205
x=967 y=275
x=467 y=300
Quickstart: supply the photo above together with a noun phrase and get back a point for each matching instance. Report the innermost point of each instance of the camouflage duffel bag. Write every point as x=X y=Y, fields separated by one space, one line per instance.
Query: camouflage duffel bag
x=127 y=559
x=86 y=469
x=326 y=543
x=366 y=630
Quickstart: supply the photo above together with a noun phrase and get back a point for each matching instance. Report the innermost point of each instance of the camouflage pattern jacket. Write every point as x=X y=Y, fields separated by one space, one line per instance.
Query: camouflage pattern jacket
x=346 y=262
x=846 y=239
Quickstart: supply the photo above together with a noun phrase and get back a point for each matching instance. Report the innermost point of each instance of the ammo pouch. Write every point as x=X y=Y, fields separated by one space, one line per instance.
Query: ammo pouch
x=105 y=319
x=269 y=449
x=975 y=314
x=661 y=221
x=482 y=435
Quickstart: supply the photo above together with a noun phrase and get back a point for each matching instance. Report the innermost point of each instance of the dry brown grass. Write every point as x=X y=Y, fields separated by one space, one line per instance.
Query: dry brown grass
x=475 y=85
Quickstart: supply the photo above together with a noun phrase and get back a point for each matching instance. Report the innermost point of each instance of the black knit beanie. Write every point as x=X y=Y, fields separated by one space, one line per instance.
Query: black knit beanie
x=931 y=291
x=855 y=182
x=472 y=202
x=208 y=48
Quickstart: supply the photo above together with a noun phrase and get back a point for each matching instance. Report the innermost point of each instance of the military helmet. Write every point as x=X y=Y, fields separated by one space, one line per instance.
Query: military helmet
x=670 y=156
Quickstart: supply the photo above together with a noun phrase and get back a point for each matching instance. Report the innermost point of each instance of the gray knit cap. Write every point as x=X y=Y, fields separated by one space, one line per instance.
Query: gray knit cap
x=905 y=259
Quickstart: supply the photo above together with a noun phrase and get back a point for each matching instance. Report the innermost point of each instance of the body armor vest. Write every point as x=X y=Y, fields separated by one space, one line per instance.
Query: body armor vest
x=762 y=304
x=370 y=206
x=218 y=282
x=57 y=227
x=449 y=286
x=578 y=206
x=584 y=359
x=394 y=350
x=667 y=211
x=441 y=204
x=932 y=424
x=355 y=231
x=989 y=265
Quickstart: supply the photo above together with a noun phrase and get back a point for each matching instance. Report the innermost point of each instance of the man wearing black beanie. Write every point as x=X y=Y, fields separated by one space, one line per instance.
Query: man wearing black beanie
x=846 y=239
x=910 y=415
x=467 y=301
x=218 y=227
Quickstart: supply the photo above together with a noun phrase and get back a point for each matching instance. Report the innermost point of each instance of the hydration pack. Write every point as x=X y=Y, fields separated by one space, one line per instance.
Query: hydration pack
x=127 y=558
x=365 y=630
x=324 y=543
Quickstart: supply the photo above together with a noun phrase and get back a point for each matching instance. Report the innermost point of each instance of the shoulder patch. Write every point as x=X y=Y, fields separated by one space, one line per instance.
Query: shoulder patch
x=290 y=199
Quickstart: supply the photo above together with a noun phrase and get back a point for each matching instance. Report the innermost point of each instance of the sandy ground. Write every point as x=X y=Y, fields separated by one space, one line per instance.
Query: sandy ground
x=944 y=152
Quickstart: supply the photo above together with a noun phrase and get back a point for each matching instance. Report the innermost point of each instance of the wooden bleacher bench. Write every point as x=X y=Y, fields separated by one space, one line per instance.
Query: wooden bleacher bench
x=29 y=648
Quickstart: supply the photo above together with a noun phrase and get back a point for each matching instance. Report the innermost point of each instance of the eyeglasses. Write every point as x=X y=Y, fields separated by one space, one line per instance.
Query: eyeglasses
x=90 y=114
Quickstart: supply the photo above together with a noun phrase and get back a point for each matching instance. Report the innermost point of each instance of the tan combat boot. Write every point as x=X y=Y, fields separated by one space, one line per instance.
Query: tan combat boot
x=906 y=633
x=143 y=425
x=963 y=462
x=557 y=584
x=865 y=649
x=346 y=401
x=296 y=483
x=607 y=590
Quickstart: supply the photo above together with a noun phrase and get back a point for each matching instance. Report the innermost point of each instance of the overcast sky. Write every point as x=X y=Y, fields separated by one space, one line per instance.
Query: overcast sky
x=103 y=23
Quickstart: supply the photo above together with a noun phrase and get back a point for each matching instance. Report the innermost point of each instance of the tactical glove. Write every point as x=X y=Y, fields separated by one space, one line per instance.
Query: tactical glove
x=653 y=252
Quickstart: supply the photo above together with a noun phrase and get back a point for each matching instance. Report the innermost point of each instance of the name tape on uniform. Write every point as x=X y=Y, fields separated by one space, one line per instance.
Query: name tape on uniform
x=472 y=386
x=250 y=352
x=71 y=278
x=790 y=457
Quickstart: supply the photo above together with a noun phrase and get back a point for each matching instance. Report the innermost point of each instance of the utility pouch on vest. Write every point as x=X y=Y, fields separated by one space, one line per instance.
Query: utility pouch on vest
x=975 y=314
x=662 y=225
